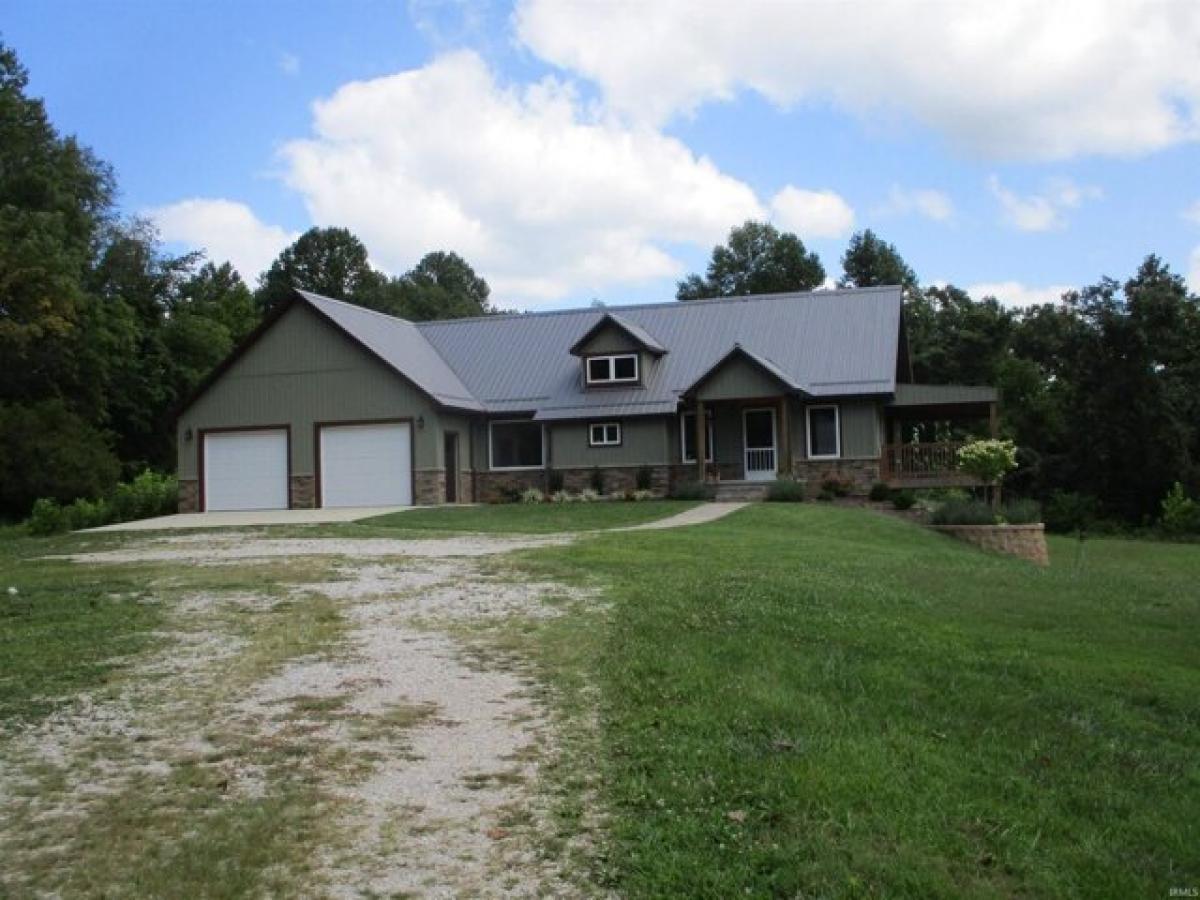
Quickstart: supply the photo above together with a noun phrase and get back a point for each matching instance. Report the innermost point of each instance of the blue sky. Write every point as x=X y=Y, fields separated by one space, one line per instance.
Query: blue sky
x=592 y=150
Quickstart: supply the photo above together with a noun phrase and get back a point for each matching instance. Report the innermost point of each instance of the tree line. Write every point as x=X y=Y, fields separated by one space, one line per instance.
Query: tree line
x=103 y=333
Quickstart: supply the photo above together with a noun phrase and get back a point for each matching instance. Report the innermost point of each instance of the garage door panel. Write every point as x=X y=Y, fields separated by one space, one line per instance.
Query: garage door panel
x=366 y=465
x=246 y=470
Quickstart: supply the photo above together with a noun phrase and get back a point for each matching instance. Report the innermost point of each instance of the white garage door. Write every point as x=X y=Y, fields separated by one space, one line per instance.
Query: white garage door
x=246 y=470
x=366 y=465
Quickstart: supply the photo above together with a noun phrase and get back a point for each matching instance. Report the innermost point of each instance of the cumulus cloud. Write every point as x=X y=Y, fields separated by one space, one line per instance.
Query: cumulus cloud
x=1019 y=79
x=1042 y=211
x=224 y=230
x=289 y=63
x=1014 y=293
x=812 y=214
x=926 y=202
x=544 y=194
x=1192 y=213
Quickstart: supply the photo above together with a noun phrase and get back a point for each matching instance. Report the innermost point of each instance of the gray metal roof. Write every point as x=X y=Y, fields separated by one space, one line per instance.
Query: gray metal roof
x=942 y=394
x=400 y=344
x=824 y=343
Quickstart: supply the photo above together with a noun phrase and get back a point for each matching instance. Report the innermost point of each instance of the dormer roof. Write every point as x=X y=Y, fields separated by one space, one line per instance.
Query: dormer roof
x=636 y=333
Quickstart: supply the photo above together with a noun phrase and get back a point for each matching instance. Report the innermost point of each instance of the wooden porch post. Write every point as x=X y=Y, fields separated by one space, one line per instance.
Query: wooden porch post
x=785 y=439
x=701 y=430
x=994 y=420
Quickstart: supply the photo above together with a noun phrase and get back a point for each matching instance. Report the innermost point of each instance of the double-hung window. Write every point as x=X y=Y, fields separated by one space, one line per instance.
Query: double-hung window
x=604 y=434
x=621 y=368
x=824 y=433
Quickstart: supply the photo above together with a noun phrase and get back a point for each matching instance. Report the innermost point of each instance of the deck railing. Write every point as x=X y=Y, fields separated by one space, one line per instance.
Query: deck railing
x=937 y=461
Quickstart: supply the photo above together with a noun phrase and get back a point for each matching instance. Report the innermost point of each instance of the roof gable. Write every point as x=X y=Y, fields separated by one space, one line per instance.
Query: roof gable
x=634 y=332
x=740 y=373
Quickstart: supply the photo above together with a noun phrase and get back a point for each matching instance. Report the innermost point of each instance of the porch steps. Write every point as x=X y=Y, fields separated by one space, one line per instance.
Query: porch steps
x=740 y=491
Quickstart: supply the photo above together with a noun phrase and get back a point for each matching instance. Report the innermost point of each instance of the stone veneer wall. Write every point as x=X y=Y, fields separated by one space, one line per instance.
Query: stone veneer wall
x=429 y=487
x=1023 y=541
x=302 y=492
x=189 y=496
x=861 y=473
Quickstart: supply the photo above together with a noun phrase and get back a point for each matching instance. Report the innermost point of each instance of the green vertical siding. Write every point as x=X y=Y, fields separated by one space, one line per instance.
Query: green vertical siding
x=860 y=427
x=644 y=442
x=739 y=380
x=304 y=370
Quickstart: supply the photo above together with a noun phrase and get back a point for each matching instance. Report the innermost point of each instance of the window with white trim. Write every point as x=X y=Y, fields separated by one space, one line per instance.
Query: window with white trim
x=824 y=432
x=687 y=437
x=604 y=434
x=516 y=445
x=621 y=368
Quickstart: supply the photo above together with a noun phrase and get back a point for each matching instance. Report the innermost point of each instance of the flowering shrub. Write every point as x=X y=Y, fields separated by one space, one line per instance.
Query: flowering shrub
x=1180 y=513
x=989 y=461
x=532 y=495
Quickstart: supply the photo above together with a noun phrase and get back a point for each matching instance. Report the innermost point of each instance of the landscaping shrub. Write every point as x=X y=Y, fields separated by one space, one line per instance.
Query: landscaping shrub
x=596 y=480
x=554 y=482
x=903 y=500
x=641 y=495
x=508 y=492
x=785 y=491
x=837 y=487
x=1021 y=512
x=691 y=490
x=880 y=492
x=1067 y=511
x=825 y=496
x=149 y=494
x=644 y=479
x=1180 y=513
x=963 y=512
x=587 y=495
x=532 y=495
x=559 y=496
x=989 y=461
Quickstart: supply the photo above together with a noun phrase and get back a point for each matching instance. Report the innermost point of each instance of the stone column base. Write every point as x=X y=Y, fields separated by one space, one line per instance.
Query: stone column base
x=429 y=487
x=189 y=496
x=302 y=492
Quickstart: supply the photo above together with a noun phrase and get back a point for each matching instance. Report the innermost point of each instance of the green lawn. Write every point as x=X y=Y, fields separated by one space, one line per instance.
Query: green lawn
x=804 y=701
x=529 y=518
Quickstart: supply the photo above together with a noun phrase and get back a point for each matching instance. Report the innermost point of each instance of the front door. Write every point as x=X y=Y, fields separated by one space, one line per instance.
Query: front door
x=451 y=463
x=758 y=426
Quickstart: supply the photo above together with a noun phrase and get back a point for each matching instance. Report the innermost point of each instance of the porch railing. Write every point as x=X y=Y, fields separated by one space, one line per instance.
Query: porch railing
x=760 y=459
x=921 y=461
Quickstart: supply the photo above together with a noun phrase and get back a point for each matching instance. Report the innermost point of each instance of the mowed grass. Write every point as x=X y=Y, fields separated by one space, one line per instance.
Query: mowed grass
x=803 y=701
x=529 y=518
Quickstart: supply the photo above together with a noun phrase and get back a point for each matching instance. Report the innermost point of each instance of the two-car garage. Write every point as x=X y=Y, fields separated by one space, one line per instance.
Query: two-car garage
x=357 y=464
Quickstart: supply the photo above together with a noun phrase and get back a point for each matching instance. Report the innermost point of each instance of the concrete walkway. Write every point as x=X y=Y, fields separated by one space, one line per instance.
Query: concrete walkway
x=697 y=515
x=246 y=518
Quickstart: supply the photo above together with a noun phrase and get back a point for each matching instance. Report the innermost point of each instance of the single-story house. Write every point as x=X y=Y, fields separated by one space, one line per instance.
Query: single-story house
x=331 y=404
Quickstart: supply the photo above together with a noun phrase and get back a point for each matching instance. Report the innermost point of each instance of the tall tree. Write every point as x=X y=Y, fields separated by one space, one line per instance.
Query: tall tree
x=441 y=286
x=870 y=261
x=756 y=259
x=327 y=261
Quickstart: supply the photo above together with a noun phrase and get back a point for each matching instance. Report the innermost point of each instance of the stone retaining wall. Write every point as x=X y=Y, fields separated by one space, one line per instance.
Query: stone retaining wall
x=1024 y=541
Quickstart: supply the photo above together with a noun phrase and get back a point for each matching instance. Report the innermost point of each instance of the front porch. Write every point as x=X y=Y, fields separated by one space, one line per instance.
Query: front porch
x=926 y=425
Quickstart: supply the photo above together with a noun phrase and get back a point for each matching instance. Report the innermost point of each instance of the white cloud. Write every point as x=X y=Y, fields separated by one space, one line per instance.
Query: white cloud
x=1042 y=211
x=1014 y=293
x=927 y=202
x=1018 y=79
x=1192 y=213
x=812 y=214
x=543 y=194
x=225 y=230
x=289 y=63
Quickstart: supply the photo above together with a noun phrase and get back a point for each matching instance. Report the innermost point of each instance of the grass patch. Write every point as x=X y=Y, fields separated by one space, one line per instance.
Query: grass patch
x=811 y=701
x=529 y=518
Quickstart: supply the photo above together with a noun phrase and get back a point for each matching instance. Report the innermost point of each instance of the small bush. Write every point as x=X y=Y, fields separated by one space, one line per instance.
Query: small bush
x=47 y=517
x=1180 y=513
x=825 y=496
x=559 y=496
x=691 y=490
x=903 y=500
x=587 y=495
x=836 y=486
x=1021 y=512
x=532 y=495
x=596 y=480
x=554 y=482
x=644 y=479
x=88 y=514
x=785 y=491
x=509 y=492
x=1067 y=511
x=880 y=492
x=149 y=494
x=963 y=512
x=642 y=495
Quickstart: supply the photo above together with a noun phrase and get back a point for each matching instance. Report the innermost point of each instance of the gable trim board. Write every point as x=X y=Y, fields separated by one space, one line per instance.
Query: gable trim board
x=202 y=462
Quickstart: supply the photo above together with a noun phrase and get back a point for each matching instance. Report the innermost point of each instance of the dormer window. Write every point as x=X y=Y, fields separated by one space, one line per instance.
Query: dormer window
x=621 y=368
